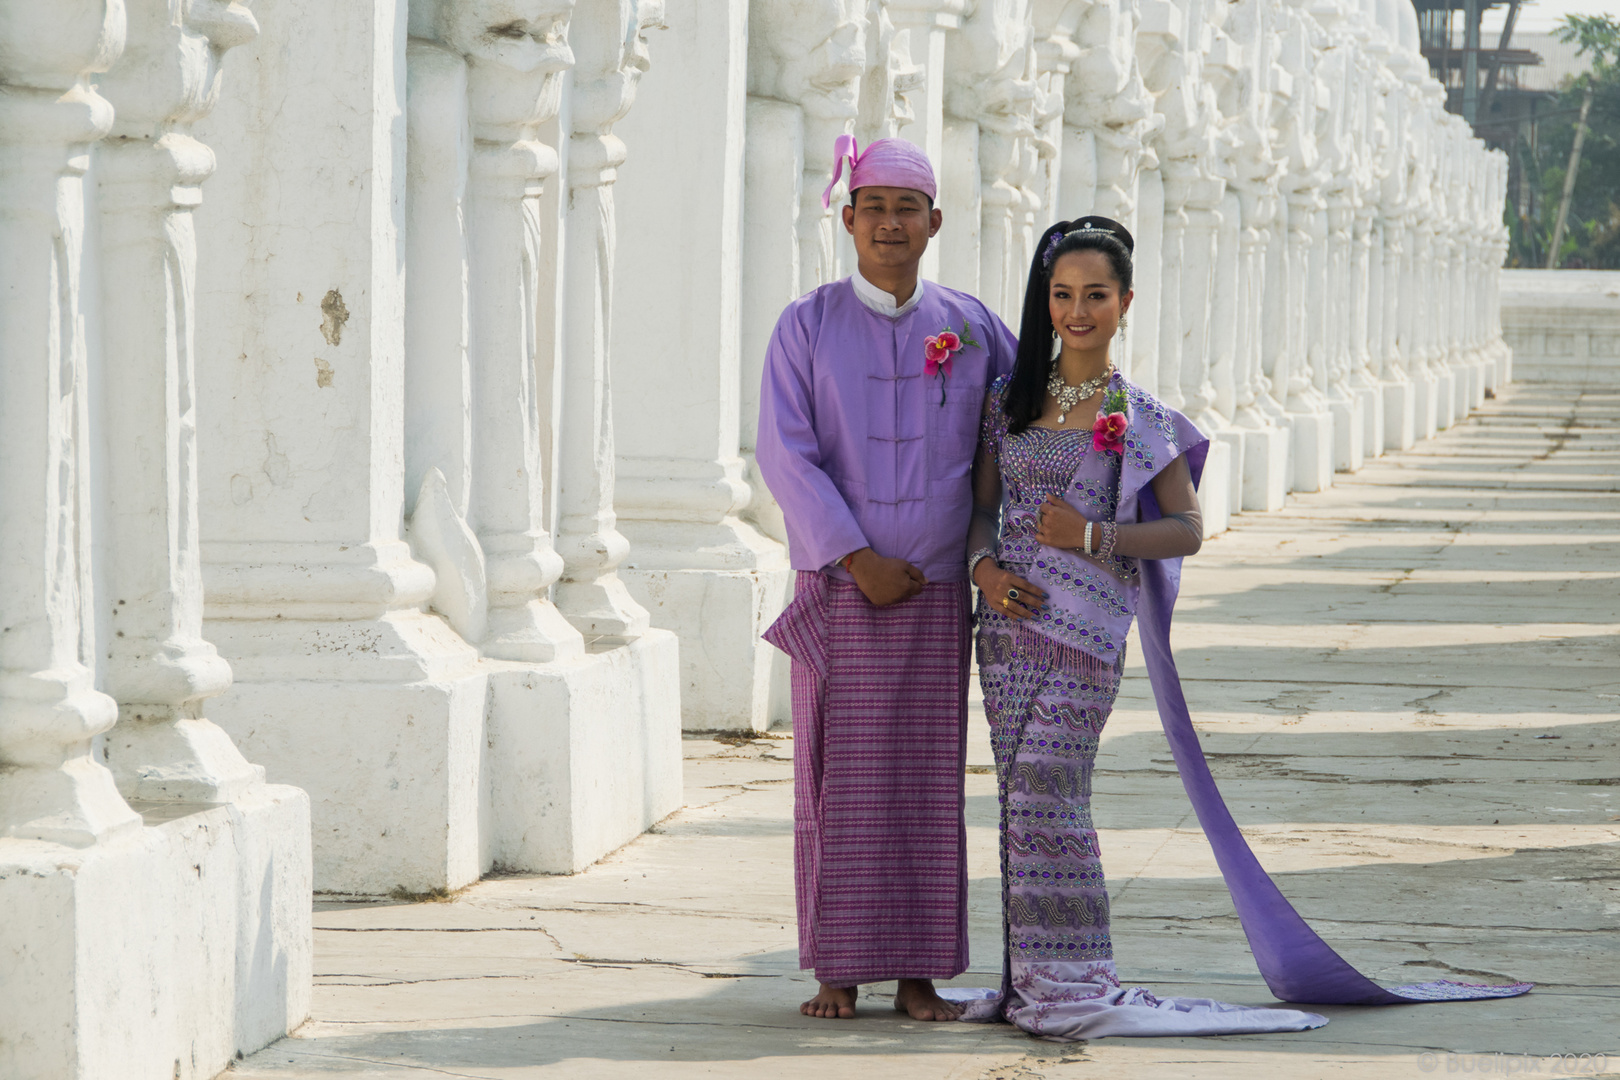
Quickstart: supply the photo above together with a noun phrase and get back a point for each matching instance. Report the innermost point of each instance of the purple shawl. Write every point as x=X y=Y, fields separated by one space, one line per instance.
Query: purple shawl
x=1296 y=963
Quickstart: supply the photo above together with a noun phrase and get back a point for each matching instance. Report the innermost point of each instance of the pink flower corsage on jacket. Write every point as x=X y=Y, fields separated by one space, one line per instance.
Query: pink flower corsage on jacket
x=938 y=350
x=1108 y=433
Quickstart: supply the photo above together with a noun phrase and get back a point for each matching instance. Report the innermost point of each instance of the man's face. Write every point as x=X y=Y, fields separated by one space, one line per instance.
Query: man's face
x=891 y=225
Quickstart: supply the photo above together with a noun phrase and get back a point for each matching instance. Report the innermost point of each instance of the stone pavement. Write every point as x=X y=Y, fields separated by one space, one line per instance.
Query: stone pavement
x=1409 y=688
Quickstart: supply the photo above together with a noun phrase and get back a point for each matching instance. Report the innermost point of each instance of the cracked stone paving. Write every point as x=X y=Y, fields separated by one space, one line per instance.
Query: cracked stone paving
x=1409 y=689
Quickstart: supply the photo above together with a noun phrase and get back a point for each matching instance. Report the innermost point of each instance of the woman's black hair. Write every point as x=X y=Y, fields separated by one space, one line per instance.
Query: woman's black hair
x=1026 y=391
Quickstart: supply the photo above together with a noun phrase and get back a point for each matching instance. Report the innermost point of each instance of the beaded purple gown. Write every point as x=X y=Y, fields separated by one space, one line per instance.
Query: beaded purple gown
x=1048 y=689
x=1049 y=685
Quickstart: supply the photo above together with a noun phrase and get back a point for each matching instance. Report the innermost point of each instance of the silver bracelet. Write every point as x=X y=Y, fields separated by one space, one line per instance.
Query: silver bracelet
x=1085 y=545
x=975 y=558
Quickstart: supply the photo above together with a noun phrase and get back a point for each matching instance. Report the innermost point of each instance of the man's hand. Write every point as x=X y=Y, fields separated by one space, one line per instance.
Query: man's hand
x=885 y=581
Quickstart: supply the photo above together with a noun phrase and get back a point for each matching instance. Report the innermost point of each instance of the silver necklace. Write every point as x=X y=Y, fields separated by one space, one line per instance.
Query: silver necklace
x=1070 y=396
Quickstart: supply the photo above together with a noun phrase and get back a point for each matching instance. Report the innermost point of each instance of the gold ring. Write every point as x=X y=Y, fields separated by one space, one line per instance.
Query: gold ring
x=1004 y=602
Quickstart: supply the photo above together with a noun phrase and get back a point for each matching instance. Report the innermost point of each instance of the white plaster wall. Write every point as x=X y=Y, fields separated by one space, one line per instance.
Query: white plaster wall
x=1563 y=325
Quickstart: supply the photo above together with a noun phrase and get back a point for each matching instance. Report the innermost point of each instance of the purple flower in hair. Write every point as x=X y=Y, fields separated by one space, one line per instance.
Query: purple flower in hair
x=1051 y=248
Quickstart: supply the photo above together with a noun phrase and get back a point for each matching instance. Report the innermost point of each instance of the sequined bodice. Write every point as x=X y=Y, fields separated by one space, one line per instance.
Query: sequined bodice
x=1089 y=608
x=1035 y=463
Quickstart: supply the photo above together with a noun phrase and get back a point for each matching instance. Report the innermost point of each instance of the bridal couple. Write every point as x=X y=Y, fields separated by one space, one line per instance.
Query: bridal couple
x=917 y=450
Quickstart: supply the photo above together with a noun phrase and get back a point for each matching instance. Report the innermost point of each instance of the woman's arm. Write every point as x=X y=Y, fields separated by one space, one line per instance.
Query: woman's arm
x=985 y=528
x=1179 y=532
x=999 y=586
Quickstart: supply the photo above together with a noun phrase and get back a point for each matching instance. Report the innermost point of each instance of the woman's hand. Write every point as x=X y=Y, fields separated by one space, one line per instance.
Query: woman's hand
x=1009 y=592
x=1059 y=525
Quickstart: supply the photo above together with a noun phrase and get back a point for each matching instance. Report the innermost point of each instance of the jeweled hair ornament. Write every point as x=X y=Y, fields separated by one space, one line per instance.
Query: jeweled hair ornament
x=1058 y=238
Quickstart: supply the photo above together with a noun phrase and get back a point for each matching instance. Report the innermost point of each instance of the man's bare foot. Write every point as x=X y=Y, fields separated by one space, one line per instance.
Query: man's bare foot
x=831 y=1003
x=918 y=999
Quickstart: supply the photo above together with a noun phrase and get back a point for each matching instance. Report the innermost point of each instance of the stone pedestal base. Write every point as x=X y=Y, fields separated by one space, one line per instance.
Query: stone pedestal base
x=1232 y=438
x=1445 y=399
x=1349 y=451
x=162 y=954
x=1313 y=450
x=1215 y=488
x=718 y=615
x=1465 y=382
x=1426 y=410
x=1370 y=400
x=382 y=722
x=1484 y=379
x=1400 y=415
x=584 y=754
x=1265 y=468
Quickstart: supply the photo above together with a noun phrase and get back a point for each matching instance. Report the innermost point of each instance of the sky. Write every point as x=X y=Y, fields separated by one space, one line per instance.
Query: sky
x=1541 y=16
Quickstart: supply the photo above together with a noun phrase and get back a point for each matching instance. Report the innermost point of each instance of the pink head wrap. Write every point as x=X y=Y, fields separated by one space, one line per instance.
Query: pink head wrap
x=885 y=163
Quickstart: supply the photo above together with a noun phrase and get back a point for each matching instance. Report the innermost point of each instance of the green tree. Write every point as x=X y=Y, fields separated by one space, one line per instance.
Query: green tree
x=1591 y=236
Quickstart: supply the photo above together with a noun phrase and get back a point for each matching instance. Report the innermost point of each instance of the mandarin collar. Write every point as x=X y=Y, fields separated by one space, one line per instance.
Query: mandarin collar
x=881 y=301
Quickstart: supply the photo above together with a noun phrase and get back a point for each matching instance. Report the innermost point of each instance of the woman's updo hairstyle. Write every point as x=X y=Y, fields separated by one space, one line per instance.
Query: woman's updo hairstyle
x=1026 y=392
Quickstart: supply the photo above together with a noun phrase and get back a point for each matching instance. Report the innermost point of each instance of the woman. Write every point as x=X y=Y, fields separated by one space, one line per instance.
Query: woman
x=1073 y=458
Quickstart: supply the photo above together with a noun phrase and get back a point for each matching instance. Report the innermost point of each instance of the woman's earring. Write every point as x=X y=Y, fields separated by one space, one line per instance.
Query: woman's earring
x=1122 y=323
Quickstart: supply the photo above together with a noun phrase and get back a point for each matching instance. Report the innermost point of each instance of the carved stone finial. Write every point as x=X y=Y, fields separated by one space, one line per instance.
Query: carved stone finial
x=610 y=41
x=517 y=51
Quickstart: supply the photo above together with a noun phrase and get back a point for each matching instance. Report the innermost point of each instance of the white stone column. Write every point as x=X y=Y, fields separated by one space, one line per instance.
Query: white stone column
x=1225 y=316
x=1183 y=138
x=811 y=57
x=1497 y=255
x=1257 y=413
x=891 y=82
x=483 y=410
x=1423 y=315
x=804 y=78
x=50 y=115
x=1399 y=393
x=988 y=85
x=343 y=685
x=1153 y=67
x=1142 y=335
x=1221 y=490
x=1173 y=253
x=1259 y=89
x=1308 y=413
x=929 y=23
x=132 y=948
x=695 y=566
x=1055 y=23
x=590 y=593
x=1363 y=378
x=1107 y=118
x=1349 y=420
x=157 y=664
x=1193 y=193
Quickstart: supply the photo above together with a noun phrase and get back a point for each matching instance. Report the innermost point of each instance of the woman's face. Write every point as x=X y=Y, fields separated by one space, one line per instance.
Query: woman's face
x=1084 y=300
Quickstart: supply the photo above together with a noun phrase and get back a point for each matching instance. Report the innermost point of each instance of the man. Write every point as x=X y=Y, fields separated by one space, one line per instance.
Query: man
x=869 y=419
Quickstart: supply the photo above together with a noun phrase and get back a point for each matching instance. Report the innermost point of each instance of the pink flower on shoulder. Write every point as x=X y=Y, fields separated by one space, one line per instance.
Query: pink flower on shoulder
x=1108 y=433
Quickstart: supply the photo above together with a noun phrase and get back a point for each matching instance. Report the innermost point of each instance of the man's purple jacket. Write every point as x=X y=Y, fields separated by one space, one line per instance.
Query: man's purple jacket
x=859 y=444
